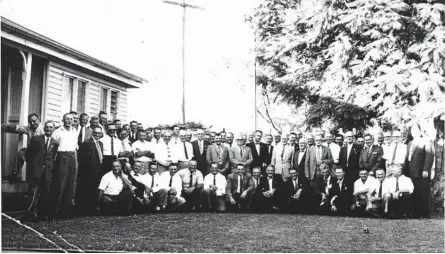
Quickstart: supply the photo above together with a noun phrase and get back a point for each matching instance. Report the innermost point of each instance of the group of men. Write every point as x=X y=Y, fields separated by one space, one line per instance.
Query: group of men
x=114 y=168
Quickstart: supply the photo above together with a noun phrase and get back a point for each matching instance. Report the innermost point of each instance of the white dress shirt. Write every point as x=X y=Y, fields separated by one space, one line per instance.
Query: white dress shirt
x=142 y=178
x=349 y=149
x=185 y=177
x=270 y=180
x=257 y=146
x=388 y=153
x=221 y=183
x=240 y=181
x=300 y=156
x=139 y=146
x=106 y=141
x=110 y=184
x=335 y=150
x=180 y=152
x=164 y=182
x=67 y=139
x=165 y=153
x=389 y=185
x=371 y=184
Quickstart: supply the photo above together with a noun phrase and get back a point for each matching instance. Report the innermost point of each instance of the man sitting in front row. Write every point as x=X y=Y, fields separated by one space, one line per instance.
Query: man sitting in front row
x=375 y=202
x=341 y=193
x=155 y=193
x=294 y=193
x=397 y=195
x=237 y=189
x=192 y=183
x=265 y=199
x=215 y=189
x=363 y=188
x=115 y=194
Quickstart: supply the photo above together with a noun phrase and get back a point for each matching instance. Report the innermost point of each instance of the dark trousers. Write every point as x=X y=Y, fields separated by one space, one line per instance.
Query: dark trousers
x=240 y=204
x=211 y=201
x=401 y=206
x=343 y=205
x=193 y=199
x=62 y=189
x=421 y=197
x=117 y=204
x=86 y=194
x=39 y=196
x=262 y=204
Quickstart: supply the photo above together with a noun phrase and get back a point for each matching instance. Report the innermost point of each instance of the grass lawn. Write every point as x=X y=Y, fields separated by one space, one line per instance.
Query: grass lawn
x=211 y=232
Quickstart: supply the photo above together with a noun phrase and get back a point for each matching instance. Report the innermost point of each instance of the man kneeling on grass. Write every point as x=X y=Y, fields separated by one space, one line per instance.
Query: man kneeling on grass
x=215 y=190
x=115 y=193
x=363 y=188
x=192 y=183
x=375 y=202
x=397 y=198
x=172 y=183
x=341 y=194
x=155 y=194
x=237 y=189
x=265 y=199
x=295 y=193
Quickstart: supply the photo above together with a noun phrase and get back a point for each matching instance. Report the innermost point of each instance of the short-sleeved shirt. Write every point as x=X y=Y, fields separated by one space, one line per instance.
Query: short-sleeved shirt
x=220 y=182
x=111 y=184
x=371 y=184
x=139 y=146
x=185 y=176
x=106 y=142
x=67 y=139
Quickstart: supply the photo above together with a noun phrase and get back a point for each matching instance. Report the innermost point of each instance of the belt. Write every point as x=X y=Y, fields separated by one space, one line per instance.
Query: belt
x=69 y=152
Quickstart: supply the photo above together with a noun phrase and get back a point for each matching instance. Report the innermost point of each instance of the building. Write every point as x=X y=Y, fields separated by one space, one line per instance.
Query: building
x=43 y=76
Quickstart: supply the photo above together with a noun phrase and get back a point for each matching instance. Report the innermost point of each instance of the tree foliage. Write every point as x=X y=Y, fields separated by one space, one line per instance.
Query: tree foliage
x=355 y=61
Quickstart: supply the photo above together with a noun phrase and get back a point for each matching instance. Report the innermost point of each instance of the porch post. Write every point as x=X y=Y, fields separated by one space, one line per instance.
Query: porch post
x=26 y=78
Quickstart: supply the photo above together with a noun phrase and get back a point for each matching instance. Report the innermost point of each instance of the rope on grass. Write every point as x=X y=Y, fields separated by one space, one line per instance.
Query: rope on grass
x=72 y=245
x=35 y=231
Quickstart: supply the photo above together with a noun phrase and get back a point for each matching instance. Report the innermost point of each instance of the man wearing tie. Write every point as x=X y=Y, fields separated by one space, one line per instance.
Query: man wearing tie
x=341 y=192
x=259 y=151
x=240 y=154
x=192 y=183
x=143 y=150
x=294 y=193
x=157 y=136
x=363 y=189
x=184 y=150
x=165 y=153
x=175 y=135
x=219 y=154
x=349 y=158
x=40 y=156
x=282 y=157
x=200 y=151
x=133 y=132
x=155 y=193
x=321 y=201
x=277 y=138
x=229 y=140
x=112 y=149
x=299 y=158
x=215 y=190
x=237 y=189
x=316 y=155
x=270 y=147
x=90 y=163
x=265 y=199
x=335 y=149
x=371 y=156
x=375 y=202
x=397 y=197
x=84 y=132
x=394 y=154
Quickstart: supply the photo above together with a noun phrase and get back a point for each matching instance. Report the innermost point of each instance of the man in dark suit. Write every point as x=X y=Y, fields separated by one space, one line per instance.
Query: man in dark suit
x=341 y=193
x=322 y=191
x=299 y=159
x=270 y=147
x=200 y=151
x=40 y=156
x=418 y=163
x=349 y=158
x=316 y=155
x=265 y=199
x=371 y=156
x=133 y=135
x=219 y=154
x=238 y=186
x=294 y=193
x=84 y=132
x=259 y=151
x=90 y=164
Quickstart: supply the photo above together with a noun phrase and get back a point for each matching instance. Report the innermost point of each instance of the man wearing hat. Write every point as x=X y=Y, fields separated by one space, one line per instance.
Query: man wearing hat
x=349 y=158
x=282 y=157
x=240 y=154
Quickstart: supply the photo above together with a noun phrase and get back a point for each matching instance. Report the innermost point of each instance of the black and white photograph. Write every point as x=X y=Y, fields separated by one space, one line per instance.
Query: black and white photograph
x=222 y=126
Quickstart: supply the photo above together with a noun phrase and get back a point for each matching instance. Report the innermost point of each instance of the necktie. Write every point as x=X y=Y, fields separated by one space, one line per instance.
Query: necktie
x=200 y=147
x=112 y=146
x=259 y=147
x=123 y=145
x=241 y=183
x=80 y=139
x=257 y=182
x=185 y=151
x=191 y=180
x=214 y=180
x=241 y=151
x=369 y=151
x=46 y=144
x=270 y=149
x=380 y=190
x=295 y=185
x=319 y=154
x=152 y=181
x=282 y=152
x=220 y=154
x=397 y=184
x=171 y=180
x=394 y=154
x=168 y=151
x=157 y=141
x=99 y=151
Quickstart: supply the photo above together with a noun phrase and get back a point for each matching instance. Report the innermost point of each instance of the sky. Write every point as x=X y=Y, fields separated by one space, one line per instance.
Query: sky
x=145 y=38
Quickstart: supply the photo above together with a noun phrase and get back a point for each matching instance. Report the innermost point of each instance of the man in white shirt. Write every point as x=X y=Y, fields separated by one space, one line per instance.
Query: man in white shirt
x=115 y=193
x=335 y=149
x=214 y=190
x=157 y=136
x=397 y=195
x=175 y=135
x=112 y=148
x=140 y=182
x=375 y=202
x=184 y=150
x=143 y=150
x=363 y=188
x=380 y=139
x=156 y=193
x=172 y=182
x=192 y=183
x=277 y=138
x=123 y=137
x=165 y=152
x=229 y=140
x=394 y=154
x=65 y=169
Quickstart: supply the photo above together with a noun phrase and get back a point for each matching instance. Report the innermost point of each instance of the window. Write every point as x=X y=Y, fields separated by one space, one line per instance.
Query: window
x=81 y=96
x=67 y=98
x=113 y=106
x=103 y=99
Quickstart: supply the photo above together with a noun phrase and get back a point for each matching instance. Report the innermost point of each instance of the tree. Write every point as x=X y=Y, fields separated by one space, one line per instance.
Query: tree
x=355 y=61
